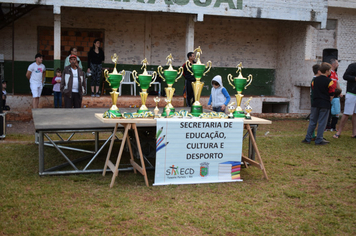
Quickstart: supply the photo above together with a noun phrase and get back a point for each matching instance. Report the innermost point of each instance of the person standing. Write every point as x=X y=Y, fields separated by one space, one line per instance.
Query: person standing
x=350 y=100
x=335 y=109
x=219 y=97
x=322 y=92
x=95 y=58
x=56 y=81
x=73 y=51
x=73 y=84
x=36 y=74
x=189 y=78
x=333 y=75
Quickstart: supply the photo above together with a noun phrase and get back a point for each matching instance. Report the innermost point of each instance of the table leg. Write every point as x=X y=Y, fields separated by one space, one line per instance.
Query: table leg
x=254 y=144
x=110 y=149
x=116 y=170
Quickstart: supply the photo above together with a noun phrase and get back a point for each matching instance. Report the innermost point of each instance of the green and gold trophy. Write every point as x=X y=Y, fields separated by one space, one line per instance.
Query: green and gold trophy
x=114 y=80
x=198 y=72
x=239 y=83
x=169 y=76
x=145 y=81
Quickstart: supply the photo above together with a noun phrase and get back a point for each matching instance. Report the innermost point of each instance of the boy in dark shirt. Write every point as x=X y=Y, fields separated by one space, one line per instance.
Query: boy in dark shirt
x=322 y=90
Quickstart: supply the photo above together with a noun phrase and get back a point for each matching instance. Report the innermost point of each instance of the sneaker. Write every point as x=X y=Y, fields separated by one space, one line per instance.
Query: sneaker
x=93 y=94
x=305 y=141
x=322 y=143
x=326 y=140
x=97 y=95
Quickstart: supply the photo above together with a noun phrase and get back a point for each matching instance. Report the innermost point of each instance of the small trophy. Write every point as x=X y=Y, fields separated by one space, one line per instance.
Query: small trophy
x=170 y=75
x=198 y=72
x=114 y=80
x=248 y=108
x=156 y=110
x=145 y=81
x=240 y=83
x=231 y=109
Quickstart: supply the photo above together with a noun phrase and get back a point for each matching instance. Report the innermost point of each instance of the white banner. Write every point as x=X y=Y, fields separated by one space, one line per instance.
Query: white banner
x=190 y=151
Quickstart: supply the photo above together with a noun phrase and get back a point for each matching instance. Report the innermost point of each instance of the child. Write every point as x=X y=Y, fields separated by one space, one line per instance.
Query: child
x=3 y=94
x=335 y=109
x=322 y=90
x=219 y=97
x=56 y=81
x=316 y=72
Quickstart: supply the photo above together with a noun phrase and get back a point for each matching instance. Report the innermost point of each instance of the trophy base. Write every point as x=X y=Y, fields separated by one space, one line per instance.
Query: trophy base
x=170 y=113
x=248 y=117
x=112 y=114
x=239 y=114
x=197 y=110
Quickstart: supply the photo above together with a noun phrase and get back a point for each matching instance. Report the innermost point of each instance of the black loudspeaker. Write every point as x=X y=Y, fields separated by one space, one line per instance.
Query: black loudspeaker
x=329 y=53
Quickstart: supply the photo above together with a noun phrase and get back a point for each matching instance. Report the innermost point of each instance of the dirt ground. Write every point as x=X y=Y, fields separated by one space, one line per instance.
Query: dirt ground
x=20 y=127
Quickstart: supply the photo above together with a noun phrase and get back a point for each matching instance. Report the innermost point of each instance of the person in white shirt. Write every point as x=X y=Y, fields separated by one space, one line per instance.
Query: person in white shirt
x=73 y=84
x=36 y=74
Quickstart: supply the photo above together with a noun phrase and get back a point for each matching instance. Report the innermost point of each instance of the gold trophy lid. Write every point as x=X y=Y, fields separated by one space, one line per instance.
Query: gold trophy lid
x=114 y=59
x=170 y=59
x=144 y=66
x=197 y=52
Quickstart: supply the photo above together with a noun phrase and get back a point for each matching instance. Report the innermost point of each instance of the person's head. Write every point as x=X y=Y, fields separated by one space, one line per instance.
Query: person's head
x=337 y=92
x=73 y=61
x=39 y=58
x=73 y=51
x=96 y=43
x=191 y=56
x=334 y=64
x=316 y=69
x=216 y=81
x=325 y=68
x=58 y=72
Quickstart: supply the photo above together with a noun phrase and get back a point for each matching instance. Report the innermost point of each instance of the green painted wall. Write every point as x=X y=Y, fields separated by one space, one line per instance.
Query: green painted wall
x=262 y=84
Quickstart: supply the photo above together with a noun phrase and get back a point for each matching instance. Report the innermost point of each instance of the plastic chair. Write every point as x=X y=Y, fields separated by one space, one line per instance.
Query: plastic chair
x=127 y=80
x=156 y=83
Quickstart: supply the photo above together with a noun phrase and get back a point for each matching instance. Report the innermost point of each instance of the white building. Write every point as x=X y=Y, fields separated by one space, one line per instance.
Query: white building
x=277 y=41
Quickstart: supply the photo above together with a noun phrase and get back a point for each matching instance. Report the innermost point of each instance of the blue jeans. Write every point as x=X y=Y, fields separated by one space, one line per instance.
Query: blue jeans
x=317 y=116
x=57 y=99
x=218 y=109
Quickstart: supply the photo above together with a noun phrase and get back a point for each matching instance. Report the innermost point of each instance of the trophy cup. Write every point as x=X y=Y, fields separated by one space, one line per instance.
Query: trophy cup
x=145 y=81
x=231 y=109
x=240 y=83
x=156 y=110
x=170 y=75
x=114 y=80
x=198 y=72
x=248 y=108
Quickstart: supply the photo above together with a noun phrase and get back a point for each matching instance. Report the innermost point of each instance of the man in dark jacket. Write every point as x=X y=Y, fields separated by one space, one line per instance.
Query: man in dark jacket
x=189 y=78
x=322 y=92
x=73 y=84
x=350 y=100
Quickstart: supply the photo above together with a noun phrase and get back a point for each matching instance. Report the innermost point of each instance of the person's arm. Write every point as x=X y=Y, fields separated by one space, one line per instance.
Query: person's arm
x=89 y=60
x=28 y=74
x=62 y=82
x=188 y=76
x=43 y=76
x=54 y=80
x=209 y=102
x=226 y=94
x=103 y=58
x=350 y=73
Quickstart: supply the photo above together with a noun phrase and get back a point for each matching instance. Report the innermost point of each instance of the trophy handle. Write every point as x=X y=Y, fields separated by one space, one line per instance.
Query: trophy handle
x=154 y=77
x=160 y=72
x=123 y=73
x=208 y=65
x=134 y=76
x=229 y=77
x=249 y=80
x=106 y=75
x=180 y=73
x=187 y=65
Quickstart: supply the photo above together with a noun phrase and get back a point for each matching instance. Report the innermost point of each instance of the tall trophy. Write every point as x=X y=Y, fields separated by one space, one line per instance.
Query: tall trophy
x=114 y=80
x=145 y=81
x=169 y=76
x=198 y=71
x=239 y=83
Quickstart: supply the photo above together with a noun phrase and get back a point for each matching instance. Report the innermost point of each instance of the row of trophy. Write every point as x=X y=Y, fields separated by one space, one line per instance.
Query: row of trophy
x=170 y=76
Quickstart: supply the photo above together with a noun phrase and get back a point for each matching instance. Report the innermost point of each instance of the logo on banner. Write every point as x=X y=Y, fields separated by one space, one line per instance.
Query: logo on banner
x=204 y=169
x=174 y=172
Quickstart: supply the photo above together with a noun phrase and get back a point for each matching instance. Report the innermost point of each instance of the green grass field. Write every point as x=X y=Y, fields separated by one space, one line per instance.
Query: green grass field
x=311 y=191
